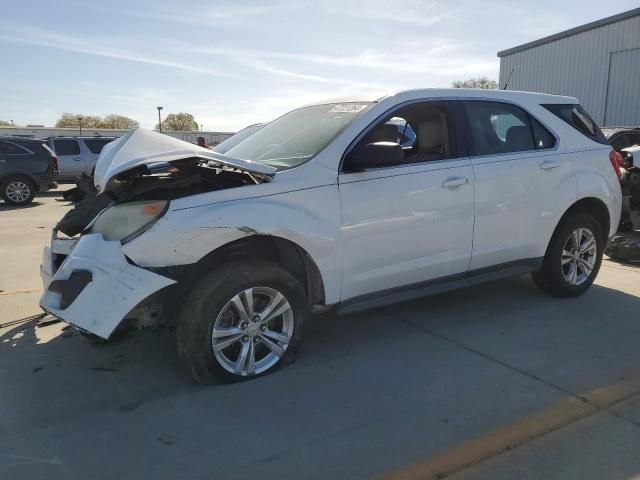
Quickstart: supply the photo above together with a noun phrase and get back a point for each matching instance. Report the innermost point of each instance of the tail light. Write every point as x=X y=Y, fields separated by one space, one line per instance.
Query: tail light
x=616 y=162
x=54 y=162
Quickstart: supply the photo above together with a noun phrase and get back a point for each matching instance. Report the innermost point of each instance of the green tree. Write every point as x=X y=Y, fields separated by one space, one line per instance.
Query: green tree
x=182 y=122
x=482 y=82
x=4 y=123
x=118 y=121
x=70 y=120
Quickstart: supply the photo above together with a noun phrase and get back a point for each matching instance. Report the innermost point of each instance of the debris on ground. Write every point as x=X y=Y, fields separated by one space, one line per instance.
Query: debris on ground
x=625 y=247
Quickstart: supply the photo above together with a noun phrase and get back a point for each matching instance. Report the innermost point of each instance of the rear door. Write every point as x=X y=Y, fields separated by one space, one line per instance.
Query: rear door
x=71 y=163
x=518 y=171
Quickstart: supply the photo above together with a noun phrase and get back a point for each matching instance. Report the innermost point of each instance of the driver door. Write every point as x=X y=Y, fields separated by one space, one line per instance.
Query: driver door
x=412 y=222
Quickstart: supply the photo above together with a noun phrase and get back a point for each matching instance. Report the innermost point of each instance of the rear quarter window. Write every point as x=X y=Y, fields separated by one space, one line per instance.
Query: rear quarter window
x=96 y=145
x=578 y=118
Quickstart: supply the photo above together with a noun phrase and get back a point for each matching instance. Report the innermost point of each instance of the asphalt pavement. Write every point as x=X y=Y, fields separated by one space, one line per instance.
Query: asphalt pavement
x=497 y=381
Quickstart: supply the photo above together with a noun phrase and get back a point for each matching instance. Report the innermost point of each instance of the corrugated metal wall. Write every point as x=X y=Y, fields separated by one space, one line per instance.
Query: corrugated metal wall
x=623 y=88
x=578 y=66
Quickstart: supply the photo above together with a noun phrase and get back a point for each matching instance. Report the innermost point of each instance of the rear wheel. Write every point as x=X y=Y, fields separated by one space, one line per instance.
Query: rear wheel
x=18 y=190
x=573 y=257
x=241 y=321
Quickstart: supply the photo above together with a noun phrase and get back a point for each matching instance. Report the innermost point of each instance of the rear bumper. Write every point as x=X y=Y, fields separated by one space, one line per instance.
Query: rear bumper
x=95 y=287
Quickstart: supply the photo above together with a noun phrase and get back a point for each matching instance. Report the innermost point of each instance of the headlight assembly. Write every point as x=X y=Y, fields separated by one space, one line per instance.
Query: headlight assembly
x=126 y=221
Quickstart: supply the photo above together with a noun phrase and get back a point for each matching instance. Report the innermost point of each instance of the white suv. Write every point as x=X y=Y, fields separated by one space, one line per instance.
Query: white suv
x=349 y=204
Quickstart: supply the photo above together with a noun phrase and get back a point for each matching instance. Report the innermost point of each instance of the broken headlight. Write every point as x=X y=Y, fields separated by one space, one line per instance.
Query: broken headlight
x=126 y=221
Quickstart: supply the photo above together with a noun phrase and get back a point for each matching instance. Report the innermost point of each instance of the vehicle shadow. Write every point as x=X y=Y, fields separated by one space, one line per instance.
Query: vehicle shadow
x=51 y=193
x=7 y=207
x=144 y=365
x=433 y=359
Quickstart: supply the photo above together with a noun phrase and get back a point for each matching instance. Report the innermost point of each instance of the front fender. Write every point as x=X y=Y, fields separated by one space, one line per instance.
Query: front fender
x=310 y=218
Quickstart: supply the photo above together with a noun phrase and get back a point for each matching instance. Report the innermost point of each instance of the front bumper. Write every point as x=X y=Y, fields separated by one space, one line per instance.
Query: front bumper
x=95 y=287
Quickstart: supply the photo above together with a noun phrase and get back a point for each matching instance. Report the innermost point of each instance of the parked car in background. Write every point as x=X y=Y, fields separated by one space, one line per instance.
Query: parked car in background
x=622 y=137
x=27 y=166
x=330 y=206
x=238 y=137
x=76 y=155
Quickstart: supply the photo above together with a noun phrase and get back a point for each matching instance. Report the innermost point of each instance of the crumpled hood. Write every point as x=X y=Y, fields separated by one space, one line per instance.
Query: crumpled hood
x=144 y=147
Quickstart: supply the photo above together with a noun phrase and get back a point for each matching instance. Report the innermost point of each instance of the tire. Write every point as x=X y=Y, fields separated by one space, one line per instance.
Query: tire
x=562 y=259
x=17 y=190
x=213 y=304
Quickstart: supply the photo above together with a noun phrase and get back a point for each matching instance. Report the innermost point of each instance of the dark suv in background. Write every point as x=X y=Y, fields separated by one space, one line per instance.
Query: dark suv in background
x=622 y=137
x=27 y=166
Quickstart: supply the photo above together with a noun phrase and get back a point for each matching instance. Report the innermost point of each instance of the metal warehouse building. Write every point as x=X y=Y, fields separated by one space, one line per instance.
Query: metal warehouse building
x=598 y=63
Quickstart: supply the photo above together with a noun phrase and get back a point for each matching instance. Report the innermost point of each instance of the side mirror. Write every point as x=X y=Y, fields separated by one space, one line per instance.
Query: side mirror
x=374 y=155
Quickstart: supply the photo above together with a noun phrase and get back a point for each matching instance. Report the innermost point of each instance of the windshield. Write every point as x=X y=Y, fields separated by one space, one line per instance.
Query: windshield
x=234 y=140
x=298 y=135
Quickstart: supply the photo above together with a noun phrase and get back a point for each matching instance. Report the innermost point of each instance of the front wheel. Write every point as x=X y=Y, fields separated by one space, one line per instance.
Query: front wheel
x=573 y=257
x=18 y=191
x=241 y=321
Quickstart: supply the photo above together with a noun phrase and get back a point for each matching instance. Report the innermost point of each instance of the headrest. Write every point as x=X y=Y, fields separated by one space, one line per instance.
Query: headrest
x=385 y=133
x=519 y=138
x=433 y=135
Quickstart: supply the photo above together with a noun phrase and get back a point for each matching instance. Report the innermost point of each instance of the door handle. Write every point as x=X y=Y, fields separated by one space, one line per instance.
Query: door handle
x=77 y=159
x=453 y=182
x=549 y=165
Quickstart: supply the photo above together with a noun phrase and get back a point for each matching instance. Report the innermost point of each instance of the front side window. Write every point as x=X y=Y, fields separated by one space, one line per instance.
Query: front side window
x=422 y=130
x=7 y=148
x=66 y=147
x=297 y=136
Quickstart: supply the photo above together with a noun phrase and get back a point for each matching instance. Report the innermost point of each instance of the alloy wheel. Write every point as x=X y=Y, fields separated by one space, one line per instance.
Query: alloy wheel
x=18 y=191
x=579 y=256
x=252 y=331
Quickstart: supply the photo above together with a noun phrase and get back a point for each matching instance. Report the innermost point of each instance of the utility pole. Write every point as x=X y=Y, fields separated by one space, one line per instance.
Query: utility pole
x=159 y=120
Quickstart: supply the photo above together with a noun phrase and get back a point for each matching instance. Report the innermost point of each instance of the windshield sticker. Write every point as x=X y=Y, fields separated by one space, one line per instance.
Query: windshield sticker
x=348 y=108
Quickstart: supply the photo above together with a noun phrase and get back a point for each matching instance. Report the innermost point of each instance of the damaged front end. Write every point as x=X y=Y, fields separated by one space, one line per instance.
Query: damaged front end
x=89 y=282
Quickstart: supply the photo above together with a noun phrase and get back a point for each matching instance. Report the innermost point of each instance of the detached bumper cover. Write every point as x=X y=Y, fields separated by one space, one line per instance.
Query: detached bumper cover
x=95 y=287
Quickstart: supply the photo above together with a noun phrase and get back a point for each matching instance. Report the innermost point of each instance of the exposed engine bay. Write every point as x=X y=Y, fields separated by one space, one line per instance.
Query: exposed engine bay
x=625 y=245
x=161 y=181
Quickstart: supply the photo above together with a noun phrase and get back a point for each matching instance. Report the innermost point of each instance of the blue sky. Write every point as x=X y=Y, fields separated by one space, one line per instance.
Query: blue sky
x=232 y=63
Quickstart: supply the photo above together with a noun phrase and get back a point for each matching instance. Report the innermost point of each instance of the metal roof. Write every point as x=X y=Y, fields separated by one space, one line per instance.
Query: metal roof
x=572 y=31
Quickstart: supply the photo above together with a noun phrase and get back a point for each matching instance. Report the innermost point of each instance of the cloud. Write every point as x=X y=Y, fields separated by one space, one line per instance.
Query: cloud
x=42 y=38
x=412 y=12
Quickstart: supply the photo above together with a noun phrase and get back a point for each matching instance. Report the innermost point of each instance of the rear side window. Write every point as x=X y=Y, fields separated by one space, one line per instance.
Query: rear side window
x=7 y=148
x=96 y=145
x=578 y=118
x=541 y=136
x=66 y=147
x=504 y=128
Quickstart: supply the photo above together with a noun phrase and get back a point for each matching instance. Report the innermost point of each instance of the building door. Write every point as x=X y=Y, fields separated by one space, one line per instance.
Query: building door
x=622 y=107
